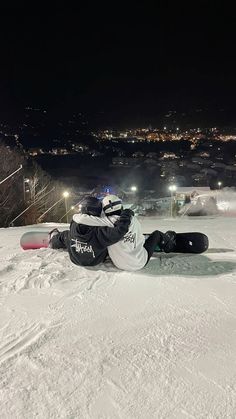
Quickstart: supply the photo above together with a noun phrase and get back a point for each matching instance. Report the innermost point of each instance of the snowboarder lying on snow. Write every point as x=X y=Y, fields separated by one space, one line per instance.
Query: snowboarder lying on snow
x=87 y=245
x=132 y=252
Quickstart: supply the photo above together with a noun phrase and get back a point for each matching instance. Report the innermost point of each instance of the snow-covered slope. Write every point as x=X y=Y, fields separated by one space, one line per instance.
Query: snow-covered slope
x=102 y=343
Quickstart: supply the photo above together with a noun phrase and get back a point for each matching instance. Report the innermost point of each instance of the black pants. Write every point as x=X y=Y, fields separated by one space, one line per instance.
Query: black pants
x=152 y=241
x=60 y=240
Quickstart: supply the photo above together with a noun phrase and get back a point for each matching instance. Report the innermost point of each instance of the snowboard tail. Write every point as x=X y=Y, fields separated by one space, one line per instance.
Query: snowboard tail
x=188 y=243
x=34 y=240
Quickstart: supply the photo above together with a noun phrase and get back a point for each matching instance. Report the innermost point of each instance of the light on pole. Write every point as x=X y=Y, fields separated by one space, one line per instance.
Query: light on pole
x=66 y=194
x=172 y=189
x=134 y=189
x=219 y=184
x=26 y=188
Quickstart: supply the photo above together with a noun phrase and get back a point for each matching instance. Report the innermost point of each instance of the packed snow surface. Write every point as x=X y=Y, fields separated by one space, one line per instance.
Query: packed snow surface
x=104 y=343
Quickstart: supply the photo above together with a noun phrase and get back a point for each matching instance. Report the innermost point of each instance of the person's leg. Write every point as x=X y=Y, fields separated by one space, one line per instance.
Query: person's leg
x=152 y=241
x=165 y=241
x=60 y=240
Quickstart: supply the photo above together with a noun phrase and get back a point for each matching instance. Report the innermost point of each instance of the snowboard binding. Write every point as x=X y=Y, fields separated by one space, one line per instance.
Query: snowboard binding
x=168 y=243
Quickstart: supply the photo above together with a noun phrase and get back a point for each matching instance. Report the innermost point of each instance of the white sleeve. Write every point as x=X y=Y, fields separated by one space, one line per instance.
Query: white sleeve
x=90 y=220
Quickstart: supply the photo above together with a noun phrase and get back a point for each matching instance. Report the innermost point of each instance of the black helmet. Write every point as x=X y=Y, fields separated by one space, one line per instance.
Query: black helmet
x=91 y=206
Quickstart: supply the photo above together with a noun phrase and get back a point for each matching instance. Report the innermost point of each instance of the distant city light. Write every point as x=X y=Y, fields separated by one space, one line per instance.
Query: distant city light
x=133 y=188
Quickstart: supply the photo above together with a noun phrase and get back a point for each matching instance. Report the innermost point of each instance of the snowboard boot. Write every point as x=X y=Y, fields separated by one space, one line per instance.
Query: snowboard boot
x=168 y=242
x=51 y=234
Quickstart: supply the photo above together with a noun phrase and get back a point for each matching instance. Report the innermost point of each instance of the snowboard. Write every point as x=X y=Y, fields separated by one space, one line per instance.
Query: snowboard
x=188 y=243
x=185 y=242
x=34 y=240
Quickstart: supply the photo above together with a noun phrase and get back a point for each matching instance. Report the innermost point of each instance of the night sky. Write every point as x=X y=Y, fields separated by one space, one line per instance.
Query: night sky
x=123 y=63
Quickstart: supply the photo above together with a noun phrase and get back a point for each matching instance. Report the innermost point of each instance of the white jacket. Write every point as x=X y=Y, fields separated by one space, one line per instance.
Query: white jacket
x=127 y=254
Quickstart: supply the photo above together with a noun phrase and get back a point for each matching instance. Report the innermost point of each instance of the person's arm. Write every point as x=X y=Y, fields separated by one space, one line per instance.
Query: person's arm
x=91 y=220
x=106 y=236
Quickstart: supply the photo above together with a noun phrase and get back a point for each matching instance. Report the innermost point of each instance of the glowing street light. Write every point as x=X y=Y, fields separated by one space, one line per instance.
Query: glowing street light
x=133 y=188
x=219 y=184
x=172 y=189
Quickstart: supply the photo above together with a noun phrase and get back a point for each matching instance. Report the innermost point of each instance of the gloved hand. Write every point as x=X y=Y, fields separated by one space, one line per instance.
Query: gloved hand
x=127 y=212
x=125 y=217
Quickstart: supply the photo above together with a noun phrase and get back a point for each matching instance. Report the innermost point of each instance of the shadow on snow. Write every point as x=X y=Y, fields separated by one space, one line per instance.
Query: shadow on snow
x=187 y=265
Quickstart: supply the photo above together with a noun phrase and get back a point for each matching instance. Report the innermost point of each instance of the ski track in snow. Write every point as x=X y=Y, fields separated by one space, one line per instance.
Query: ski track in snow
x=102 y=343
x=17 y=343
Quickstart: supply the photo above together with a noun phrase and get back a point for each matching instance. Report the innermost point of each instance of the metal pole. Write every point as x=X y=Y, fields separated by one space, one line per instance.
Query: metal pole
x=171 y=203
x=66 y=209
x=11 y=174
x=24 y=188
x=65 y=214
x=32 y=189
x=49 y=209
